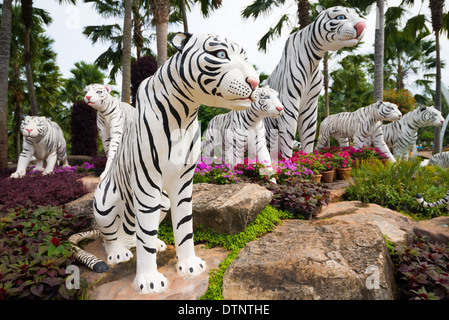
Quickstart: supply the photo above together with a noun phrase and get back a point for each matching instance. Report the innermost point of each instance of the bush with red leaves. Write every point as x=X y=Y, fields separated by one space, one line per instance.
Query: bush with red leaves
x=36 y=190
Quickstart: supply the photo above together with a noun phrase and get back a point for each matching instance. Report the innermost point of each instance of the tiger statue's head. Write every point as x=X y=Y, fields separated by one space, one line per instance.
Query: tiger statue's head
x=267 y=103
x=96 y=94
x=427 y=116
x=388 y=111
x=336 y=28
x=34 y=127
x=216 y=69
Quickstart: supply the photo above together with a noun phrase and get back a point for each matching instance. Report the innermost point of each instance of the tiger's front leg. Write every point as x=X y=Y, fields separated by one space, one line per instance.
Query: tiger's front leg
x=181 y=212
x=51 y=162
x=148 y=212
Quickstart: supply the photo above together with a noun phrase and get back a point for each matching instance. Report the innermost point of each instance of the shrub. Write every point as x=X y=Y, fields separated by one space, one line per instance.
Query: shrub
x=36 y=190
x=402 y=98
x=143 y=68
x=83 y=124
x=396 y=185
x=34 y=253
x=423 y=270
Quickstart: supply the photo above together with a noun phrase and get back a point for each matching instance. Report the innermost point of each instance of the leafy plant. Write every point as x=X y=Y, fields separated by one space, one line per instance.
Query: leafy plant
x=36 y=190
x=34 y=253
x=423 y=268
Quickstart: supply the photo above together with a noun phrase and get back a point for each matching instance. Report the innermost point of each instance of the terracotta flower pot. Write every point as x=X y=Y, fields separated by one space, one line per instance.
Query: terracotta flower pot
x=343 y=173
x=327 y=176
x=316 y=178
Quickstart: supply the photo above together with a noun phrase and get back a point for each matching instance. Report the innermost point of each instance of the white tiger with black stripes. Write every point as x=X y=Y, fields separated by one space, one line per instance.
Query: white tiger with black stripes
x=425 y=204
x=238 y=131
x=112 y=118
x=43 y=139
x=161 y=150
x=298 y=77
x=363 y=126
x=400 y=136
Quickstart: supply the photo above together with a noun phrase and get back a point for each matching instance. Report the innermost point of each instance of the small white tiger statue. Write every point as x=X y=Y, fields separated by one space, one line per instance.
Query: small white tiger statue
x=43 y=139
x=113 y=117
x=362 y=126
x=440 y=159
x=400 y=136
x=238 y=131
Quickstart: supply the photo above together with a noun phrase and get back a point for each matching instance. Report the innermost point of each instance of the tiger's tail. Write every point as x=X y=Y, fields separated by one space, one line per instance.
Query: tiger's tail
x=442 y=201
x=84 y=257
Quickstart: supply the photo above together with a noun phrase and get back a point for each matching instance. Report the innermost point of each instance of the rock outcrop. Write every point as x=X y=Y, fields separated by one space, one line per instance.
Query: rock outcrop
x=311 y=260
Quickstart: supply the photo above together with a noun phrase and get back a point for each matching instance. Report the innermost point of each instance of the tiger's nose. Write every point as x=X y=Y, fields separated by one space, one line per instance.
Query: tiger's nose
x=29 y=130
x=279 y=108
x=88 y=97
x=360 y=26
x=253 y=82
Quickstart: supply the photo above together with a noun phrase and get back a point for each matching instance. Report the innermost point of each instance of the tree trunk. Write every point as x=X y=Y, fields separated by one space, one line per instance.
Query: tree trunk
x=137 y=29
x=379 y=52
x=326 y=83
x=5 y=41
x=303 y=13
x=437 y=130
x=161 y=12
x=184 y=15
x=27 y=17
x=126 y=58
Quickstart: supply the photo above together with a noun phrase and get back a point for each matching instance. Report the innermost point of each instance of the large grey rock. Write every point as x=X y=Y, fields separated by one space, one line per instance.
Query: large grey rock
x=397 y=228
x=228 y=208
x=308 y=260
x=436 y=229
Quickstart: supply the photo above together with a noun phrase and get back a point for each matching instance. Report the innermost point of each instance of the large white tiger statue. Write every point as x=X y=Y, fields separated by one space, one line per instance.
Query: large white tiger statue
x=400 y=136
x=238 y=131
x=298 y=76
x=43 y=139
x=112 y=118
x=362 y=126
x=161 y=150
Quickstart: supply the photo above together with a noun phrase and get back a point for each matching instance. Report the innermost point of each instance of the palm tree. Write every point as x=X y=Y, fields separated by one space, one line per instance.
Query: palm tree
x=160 y=10
x=436 y=9
x=379 y=51
x=126 y=60
x=5 y=40
x=27 y=17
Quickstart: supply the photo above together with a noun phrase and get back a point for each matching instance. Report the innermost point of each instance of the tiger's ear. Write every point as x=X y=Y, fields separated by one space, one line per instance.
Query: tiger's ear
x=319 y=8
x=108 y=88
x=180 y=39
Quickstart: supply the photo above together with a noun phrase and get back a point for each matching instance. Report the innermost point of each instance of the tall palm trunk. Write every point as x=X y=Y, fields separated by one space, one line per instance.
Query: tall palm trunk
x=379 y=52
x=161 y=12
x=126 y=52
x=27 y=17
x=5 y=41
x=436 y=9
x=184 y=15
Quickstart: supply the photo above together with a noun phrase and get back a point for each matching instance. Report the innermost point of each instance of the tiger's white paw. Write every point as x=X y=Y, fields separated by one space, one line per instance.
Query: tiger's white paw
x=18 y=174
x=150 y=282
x=45 y=172
x=117 y=253
x=161 y=246
x=191 y=267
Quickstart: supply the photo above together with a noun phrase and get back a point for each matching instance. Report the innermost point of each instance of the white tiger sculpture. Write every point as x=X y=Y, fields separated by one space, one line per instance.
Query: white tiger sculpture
x=161 y=150
x=298 y=76
x=362 y=126
x=400 y=136
x=440 y=159
x=238 y=131
x=43 y=139
x=112 y=118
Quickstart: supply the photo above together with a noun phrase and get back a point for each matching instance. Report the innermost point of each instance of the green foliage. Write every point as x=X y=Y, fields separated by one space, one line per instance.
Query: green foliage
x=396 y=185
x=264 y=222
x=403 y=98
x=34 y=253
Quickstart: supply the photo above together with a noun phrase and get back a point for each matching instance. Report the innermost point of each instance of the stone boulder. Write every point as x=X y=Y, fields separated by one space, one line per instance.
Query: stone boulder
x=313 y=260
x=228 y=208
x=436 y=229
x=397 y=227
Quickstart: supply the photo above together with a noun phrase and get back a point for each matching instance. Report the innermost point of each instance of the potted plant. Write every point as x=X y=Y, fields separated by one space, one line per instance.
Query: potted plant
x=328 y=173
x=343 y=163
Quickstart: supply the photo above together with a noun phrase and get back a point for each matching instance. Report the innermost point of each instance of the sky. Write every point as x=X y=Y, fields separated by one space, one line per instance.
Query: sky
x=72 y=46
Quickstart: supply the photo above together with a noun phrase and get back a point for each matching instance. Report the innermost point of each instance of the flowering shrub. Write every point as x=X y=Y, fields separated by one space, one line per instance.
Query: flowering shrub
x=310 y=161
x=343 y=159
x=424 y=270
x=34 y=253
x=402 y=98
x=215 y=173
x=288 y=169
x=365 y=153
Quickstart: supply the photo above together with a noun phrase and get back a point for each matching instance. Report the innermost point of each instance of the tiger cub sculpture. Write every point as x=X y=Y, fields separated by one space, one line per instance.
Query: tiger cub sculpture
x=400 y=136
x=160 y=152
x=298 y=76
x=44 y=139
x=362 y=126
x=113 y=117
x=238 y=131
